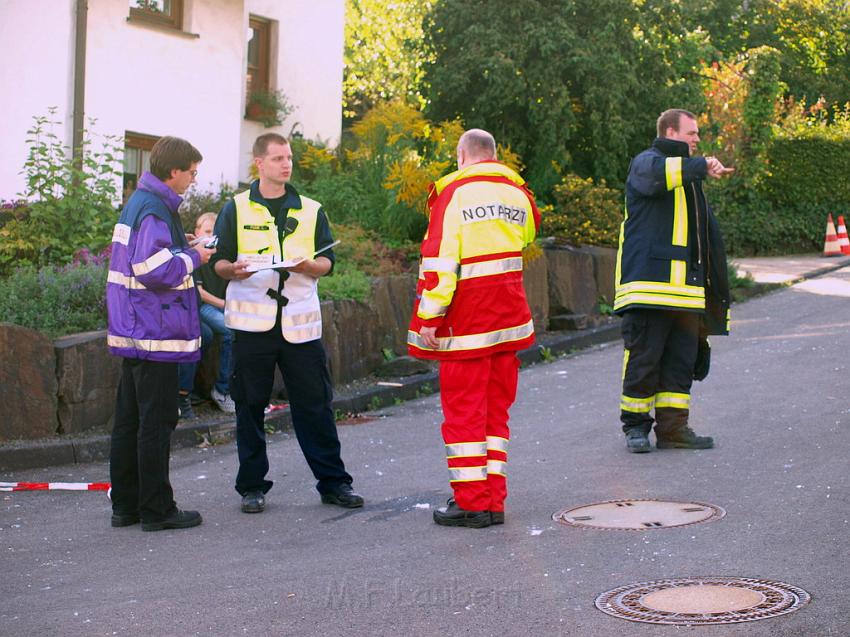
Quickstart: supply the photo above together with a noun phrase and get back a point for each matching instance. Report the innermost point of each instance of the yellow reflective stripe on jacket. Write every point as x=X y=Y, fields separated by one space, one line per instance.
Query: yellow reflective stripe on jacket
x=680 y=217
x=466 y=449
x=661 y=287
x=667 y=300
x=636 y=405
x=152 y=345
x=467 y=474
x=474 y=341
x=673 y=172
x=152 y=262
x=480 y=169
x=487 y=268
x=132 y=283
x=673 y=399
x=497 y=443
x=625 y=363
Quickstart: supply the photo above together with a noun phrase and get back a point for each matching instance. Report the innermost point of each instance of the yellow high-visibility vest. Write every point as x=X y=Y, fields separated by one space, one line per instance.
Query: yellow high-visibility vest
x=247 y=305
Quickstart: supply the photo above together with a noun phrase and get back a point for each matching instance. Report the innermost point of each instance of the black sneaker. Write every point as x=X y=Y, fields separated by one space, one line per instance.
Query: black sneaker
x=453 y=515
x=253 y=502
x=683 y=438
x=184 y=407
x=344 y=496
x=124 y=519
x=497 y=517
x=637 y=441
x=177 y=519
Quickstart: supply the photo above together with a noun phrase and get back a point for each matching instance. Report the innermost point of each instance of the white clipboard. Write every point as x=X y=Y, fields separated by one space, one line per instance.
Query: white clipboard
x=288 y=263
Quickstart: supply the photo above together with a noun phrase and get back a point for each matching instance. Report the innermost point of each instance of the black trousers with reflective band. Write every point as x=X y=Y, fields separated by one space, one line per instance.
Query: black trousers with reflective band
x=304 y=368
x=145 y=416
x=661 y=350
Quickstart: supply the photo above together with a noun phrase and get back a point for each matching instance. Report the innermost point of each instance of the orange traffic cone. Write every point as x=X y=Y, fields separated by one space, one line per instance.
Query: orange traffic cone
x=830 y=245
x=843 y=241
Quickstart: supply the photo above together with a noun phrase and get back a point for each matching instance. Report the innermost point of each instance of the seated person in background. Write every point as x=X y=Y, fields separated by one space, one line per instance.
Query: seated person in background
x=212 y=289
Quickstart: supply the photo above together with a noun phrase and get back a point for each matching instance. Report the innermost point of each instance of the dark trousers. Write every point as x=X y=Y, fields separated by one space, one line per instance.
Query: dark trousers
x=658 y=368
x=145 y=416
x=304 y=369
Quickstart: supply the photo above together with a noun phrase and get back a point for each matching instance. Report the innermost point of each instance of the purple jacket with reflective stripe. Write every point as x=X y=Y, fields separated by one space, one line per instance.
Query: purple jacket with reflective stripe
x=150 y=296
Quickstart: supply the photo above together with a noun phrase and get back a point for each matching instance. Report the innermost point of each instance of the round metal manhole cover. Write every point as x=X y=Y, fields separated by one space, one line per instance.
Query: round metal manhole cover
x=702 y=600
x=639 y=515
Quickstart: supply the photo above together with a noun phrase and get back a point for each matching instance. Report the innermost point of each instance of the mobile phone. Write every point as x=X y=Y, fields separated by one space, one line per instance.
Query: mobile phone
x=213 y=242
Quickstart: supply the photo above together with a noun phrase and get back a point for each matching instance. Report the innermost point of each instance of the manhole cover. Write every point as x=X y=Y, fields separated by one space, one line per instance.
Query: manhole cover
x=639 y=515
x=702 y=600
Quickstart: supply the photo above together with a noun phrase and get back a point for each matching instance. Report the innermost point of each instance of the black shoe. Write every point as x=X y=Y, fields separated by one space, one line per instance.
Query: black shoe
x=124 y=519
x=344 y=496
x=637 y=441
x=683 y=438
x=453 y=515
x=184 y=407
x=176 y=520
x=253 y=502
x=497 y=517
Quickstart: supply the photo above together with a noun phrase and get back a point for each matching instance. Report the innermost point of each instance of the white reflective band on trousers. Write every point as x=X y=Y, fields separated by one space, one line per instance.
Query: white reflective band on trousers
x=497 y=467
x=467 y=474
x=466 y=449
x=497 y=443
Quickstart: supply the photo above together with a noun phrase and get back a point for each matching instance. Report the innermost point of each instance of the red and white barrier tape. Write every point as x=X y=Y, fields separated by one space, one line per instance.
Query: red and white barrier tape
x=54 y=486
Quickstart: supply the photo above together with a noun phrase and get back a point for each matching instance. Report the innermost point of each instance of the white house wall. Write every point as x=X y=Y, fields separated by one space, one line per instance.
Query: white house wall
x=148 y=80
x=36 y=73
x=310 y=41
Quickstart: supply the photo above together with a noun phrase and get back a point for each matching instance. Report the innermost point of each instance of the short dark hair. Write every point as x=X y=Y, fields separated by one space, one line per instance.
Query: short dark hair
x=170 y=153
x=670 y=119
x=261 y=144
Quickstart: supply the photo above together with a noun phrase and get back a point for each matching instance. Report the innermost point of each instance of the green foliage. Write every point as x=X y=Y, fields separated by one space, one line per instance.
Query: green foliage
x=604 y=306
x=585 y=213
x=574 y=84
x=70 y=202
x=763 y=92
x=736 y=280
x=346 y=282
x=56 y=300
x=196 y=202
x=384 y=56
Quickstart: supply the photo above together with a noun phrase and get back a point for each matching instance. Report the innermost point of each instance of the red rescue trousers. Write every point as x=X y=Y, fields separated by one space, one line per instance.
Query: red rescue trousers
x=476 y=394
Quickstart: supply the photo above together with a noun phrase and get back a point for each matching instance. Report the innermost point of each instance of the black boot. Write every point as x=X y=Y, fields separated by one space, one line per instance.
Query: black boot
x=453 y=515
x=637 y=440
x=683 y=438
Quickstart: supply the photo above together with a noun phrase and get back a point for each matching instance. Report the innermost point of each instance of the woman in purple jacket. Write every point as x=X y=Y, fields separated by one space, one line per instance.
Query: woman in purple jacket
x=154 y=325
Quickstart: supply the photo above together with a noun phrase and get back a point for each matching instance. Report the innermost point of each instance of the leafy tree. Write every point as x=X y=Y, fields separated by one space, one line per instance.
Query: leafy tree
x=571 y=84
x=384 y=56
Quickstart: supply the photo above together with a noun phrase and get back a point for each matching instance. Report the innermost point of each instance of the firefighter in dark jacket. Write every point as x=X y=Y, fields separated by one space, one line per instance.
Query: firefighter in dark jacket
x=672 y=288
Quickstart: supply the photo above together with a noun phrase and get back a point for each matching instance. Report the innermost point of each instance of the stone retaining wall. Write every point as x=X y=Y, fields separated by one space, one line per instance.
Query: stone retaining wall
x=68 y=386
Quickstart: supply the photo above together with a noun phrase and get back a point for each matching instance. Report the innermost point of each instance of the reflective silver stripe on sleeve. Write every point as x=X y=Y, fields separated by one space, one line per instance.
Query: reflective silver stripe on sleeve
x=151 y=345
x=151 y=263
x=132 y=283
x=436 y=264
x=432 y=308
x=190 y=265
x=496 y=443
x=121 y=234
x=487 y=268
x=466 y=449
x=499 y=467
x=467 y=474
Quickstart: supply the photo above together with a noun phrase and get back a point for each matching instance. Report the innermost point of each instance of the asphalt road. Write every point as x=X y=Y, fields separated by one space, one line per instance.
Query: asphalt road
x=776 y=401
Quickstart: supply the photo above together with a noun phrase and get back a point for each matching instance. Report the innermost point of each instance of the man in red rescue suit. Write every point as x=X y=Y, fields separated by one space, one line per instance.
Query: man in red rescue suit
x=277 y=322
x=471 y=314
x=672 y=288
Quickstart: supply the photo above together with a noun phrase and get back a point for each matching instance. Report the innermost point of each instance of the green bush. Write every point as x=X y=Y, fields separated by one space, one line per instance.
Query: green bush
x=585 y=212
x=347 y=282
x=196 y=202
x=56 y=300
x=71 y=202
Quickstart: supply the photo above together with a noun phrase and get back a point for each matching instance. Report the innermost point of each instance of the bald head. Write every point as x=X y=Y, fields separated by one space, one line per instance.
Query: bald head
x=475 y=145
